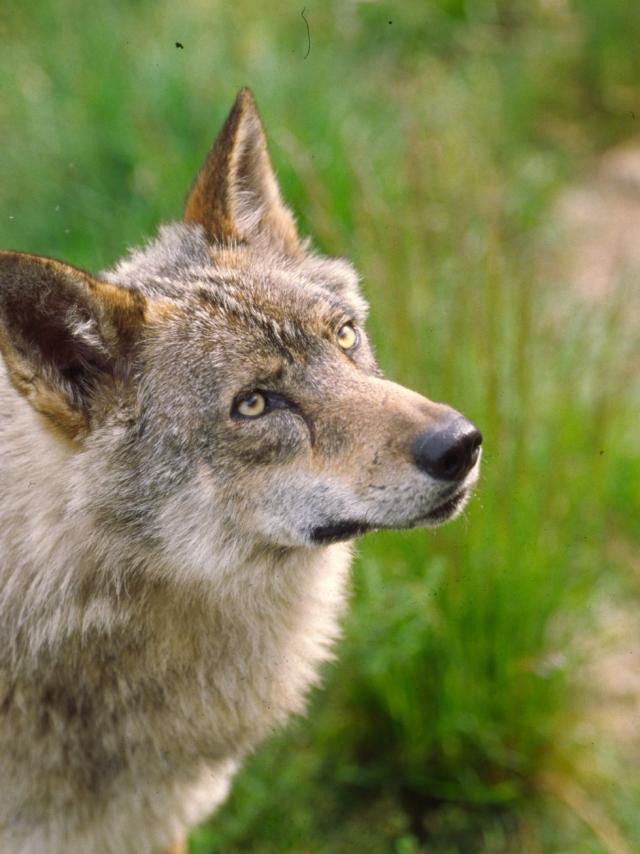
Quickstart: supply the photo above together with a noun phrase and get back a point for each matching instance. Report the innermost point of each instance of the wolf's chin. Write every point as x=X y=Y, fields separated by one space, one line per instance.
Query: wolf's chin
x=346 y=529
x=446 y=511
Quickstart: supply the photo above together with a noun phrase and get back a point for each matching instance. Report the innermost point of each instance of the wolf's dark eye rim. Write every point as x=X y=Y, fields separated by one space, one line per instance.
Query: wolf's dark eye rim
x=348 y=336
x=253 y=404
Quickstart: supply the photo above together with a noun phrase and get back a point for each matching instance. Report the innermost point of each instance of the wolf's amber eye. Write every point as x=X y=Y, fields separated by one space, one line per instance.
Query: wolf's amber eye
x=347 y=336
x=252 y=405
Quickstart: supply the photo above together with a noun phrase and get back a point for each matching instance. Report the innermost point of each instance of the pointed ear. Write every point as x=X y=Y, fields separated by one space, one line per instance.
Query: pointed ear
x=236 y=194
x=62 y=333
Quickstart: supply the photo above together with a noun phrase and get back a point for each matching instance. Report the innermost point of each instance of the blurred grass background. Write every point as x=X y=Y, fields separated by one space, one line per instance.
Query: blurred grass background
x=428 y=141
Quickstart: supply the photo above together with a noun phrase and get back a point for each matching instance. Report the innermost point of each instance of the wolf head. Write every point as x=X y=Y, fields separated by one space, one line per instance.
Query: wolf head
x=218 y=386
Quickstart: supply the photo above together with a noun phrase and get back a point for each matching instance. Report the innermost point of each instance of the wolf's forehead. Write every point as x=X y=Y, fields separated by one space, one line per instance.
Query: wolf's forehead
x=285 y=309
x=290 y=300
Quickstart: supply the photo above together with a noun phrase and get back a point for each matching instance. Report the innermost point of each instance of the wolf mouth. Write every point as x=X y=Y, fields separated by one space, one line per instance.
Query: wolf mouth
x=447 y=508
x=335 y=532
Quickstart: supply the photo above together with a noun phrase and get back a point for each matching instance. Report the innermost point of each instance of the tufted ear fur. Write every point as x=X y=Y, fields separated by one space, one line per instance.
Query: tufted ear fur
x=236 y=195
x=62 y=334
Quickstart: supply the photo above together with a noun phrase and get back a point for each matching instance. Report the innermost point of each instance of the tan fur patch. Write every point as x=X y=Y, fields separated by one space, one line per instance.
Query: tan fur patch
x=60 y=327
x=236 y=194
x=44 y=399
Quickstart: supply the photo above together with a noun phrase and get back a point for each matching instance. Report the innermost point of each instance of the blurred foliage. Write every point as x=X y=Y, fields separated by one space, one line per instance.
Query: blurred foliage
x=428 y=142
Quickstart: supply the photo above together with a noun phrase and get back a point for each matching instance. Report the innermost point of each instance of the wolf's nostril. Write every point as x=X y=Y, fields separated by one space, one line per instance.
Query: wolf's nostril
x=450 y=452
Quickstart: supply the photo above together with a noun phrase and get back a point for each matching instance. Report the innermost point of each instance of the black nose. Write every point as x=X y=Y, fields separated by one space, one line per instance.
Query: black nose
x=449 y=452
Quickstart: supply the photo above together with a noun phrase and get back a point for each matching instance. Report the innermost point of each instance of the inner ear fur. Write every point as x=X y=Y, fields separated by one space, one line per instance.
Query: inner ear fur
x=62 y=332
x=236 y=197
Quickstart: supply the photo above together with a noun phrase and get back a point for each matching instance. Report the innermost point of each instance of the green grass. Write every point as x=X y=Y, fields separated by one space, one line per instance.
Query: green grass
x=427 y=141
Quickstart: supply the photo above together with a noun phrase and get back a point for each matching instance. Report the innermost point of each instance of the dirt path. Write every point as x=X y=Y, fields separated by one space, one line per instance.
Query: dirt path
x=597 y=252
x=599 y=223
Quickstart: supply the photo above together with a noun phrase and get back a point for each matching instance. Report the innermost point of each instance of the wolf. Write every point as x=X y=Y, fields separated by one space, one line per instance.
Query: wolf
x=189 y=444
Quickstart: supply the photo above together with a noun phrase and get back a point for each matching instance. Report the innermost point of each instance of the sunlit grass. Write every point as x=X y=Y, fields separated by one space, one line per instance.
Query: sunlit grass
x=428 y=144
